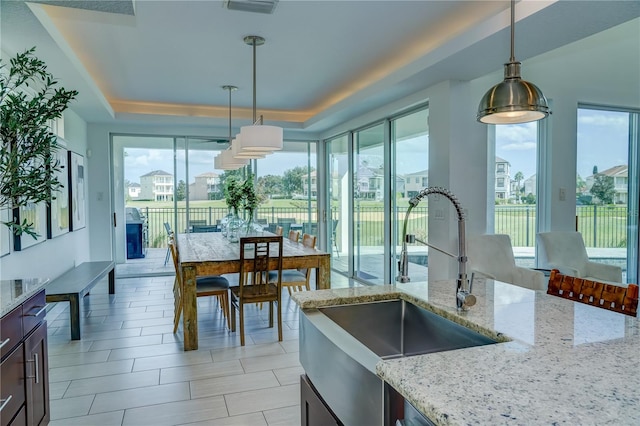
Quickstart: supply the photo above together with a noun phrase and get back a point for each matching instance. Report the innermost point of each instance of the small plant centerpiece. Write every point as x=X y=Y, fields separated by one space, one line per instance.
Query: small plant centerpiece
x=29 y=100
x=240 y=195
x=250 y=200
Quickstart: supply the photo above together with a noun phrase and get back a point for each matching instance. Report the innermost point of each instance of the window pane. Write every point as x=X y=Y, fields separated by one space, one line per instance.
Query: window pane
x=602 y=186
x=410 y=142
x=516 y=188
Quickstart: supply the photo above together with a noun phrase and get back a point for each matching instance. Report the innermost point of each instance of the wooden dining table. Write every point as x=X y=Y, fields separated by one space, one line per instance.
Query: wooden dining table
x=211 y=253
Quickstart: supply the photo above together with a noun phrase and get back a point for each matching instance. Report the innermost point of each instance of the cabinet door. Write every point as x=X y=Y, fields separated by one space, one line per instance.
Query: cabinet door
x=37 y=375
x=314 y=411
x=12 y=388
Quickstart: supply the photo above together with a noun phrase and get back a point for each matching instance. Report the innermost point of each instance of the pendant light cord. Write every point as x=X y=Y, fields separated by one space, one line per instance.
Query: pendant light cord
x=254 y=81
x=513 y=36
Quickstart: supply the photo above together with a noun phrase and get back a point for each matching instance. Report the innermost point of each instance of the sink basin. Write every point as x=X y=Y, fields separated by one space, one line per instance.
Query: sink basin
x=397 y=328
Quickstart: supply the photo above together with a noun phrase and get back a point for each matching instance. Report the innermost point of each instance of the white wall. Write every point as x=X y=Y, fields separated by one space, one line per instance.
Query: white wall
x=53 y=257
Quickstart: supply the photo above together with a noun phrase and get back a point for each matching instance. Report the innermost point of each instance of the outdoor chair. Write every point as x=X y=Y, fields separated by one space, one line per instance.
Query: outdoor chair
x=492 y=256
x=212 y=285
x=256 y=253
x=565 y=251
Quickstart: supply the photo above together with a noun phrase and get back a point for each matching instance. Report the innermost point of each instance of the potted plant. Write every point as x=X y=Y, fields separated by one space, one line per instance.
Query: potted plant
x=250 y=199
x=29 y=101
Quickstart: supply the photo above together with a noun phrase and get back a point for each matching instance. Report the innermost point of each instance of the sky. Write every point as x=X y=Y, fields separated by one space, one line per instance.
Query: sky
x=602 y=141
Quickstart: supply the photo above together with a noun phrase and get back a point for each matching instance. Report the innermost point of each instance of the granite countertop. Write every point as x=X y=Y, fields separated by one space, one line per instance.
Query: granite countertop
x=14 y=292
x=566 y=362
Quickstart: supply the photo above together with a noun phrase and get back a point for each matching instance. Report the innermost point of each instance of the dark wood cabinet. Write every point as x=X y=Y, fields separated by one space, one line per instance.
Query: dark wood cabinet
x=314 y=411
x=37 y=372
x=24 y=372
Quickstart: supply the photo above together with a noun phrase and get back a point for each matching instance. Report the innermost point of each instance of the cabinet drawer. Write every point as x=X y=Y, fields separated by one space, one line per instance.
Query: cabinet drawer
x=33 y=312
x=10 y=331
x=12 y=391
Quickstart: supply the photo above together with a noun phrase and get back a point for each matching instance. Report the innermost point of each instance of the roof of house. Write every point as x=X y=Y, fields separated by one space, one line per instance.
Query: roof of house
x=420 y=173
x=157 y=173
x=501 y=160
x=134 y=185
x=207 y=174
x=620 y=170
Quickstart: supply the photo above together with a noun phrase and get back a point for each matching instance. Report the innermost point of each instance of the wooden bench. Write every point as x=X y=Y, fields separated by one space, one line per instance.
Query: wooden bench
x=76 y=283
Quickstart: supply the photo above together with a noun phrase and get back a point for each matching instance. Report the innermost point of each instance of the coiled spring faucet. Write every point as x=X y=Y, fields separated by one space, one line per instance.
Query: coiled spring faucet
x=464 y=298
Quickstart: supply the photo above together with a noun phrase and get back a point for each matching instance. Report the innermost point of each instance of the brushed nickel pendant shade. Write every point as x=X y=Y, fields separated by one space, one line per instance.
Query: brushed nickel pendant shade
x=513 y=100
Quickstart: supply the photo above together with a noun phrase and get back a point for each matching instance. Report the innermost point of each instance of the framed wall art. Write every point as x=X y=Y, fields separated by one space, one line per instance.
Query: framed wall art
x=36 y=214
x=77 y=213
x=58 y=211
x=5 y=232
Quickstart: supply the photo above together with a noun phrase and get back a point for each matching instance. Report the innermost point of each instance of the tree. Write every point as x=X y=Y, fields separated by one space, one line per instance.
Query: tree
x=29 y=101
x=595 y=170
x=292 y=179
x=270 y=185
x=518 y=178
x=581 y=185
x=603 y=188
x=181 y=191
x=529 y=199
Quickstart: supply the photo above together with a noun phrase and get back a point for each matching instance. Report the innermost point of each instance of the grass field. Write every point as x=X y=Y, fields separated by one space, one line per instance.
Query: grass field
x=601 y=226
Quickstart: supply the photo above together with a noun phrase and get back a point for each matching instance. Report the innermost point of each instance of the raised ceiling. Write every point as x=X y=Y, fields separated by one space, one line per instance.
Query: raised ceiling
x=324 y=62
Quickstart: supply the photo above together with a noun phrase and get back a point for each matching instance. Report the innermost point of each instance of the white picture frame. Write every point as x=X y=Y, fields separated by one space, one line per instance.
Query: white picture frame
x=5 y=232
x=58 y=217
x=77 y=212
x=36 y=214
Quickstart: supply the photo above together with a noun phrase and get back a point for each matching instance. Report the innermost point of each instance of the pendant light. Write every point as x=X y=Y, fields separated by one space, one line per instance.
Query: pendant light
x=224 y=160
x=259 y=137
x=514 y=100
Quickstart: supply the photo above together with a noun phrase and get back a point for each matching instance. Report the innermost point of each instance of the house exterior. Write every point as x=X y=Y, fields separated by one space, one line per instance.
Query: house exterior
x=503 y=179
x=369 y=183
x=531 y=185
x=414 y=182
x=157 y=186
x=314 y=185
x=133 y=190
x=206 y=186
x=620 y=175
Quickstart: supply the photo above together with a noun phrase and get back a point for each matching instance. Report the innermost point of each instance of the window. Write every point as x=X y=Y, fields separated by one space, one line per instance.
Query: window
x=500 y=182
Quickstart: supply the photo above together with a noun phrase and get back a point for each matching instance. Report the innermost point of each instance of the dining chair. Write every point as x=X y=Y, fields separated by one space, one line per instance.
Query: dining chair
x=211 y=285
x=256 y=253
x=279 y=230
x=167 y=228
x=297 y=279
x=294 y=235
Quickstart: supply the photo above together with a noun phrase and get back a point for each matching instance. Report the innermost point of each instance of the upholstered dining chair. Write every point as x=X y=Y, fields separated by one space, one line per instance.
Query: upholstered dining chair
x=212 y=285
x=565 y=251
x=297 y=279
x=256 y=253
x=492 y=256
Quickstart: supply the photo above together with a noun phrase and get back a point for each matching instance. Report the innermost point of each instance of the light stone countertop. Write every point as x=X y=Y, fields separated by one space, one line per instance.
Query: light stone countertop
x=14 y=292
x=566 y=362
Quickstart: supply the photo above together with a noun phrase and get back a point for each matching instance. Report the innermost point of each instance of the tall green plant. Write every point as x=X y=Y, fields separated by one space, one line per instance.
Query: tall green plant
x=29 y=100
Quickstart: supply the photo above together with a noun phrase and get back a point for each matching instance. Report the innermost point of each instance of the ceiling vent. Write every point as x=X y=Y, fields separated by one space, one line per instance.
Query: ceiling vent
x=256 y=6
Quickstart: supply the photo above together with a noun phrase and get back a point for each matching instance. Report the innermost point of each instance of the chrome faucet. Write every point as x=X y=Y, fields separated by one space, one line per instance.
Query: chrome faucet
x=464 y=298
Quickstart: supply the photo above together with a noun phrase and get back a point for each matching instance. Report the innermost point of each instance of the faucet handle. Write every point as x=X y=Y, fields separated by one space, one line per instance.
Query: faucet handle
x=465 y=300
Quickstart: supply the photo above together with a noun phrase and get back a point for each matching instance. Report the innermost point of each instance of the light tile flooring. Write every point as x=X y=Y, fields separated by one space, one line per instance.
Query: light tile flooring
x=130 y=369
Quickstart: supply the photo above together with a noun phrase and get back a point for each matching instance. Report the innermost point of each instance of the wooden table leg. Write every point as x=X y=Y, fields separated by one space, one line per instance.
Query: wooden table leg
x=189 y=309
x=323 y=273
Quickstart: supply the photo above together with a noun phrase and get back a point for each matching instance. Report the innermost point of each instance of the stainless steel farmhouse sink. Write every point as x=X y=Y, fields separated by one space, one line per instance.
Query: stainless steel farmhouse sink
x=341 y=345
x=397 y=328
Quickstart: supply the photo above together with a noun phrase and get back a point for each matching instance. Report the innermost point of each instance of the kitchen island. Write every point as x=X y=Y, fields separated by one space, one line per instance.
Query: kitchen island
x=566 y=362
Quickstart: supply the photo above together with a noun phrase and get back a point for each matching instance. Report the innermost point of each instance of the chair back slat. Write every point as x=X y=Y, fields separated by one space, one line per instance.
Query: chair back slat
x=294 y=235
x=256 y=254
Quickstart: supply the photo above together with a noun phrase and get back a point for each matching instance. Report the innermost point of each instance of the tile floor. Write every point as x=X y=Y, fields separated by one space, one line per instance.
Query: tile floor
x=130 y=369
